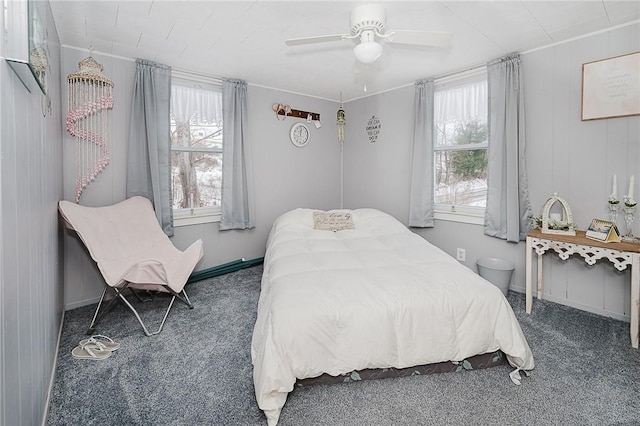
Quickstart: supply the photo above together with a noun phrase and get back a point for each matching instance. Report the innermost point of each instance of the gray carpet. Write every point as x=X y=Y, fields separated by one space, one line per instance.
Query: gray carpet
x=198 y=372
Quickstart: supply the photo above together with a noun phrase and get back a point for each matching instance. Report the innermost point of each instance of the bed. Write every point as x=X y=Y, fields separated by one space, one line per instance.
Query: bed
x=334 y=300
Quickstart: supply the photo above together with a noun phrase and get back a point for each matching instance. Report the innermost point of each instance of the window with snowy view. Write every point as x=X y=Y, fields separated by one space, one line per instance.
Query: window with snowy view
x=196 y=147
x=460 y=143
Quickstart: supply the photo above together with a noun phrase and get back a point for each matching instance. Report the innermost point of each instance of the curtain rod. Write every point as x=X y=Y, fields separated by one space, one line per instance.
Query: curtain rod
x=195 y=76
x=457 y=75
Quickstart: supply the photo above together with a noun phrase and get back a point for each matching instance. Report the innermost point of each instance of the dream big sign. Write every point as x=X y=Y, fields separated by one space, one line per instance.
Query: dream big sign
x=373 y=128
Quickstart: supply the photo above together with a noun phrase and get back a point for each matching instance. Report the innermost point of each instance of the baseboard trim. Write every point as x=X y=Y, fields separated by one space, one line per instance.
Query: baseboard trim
x=572 y=304
x=225 y=268
x=53 y=373
x=81 y=303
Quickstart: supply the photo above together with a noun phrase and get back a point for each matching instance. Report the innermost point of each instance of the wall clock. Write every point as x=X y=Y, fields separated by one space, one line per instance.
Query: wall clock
x=299 y=134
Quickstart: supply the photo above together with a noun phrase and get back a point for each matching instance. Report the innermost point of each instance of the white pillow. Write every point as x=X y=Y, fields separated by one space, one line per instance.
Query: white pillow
x=332 y=221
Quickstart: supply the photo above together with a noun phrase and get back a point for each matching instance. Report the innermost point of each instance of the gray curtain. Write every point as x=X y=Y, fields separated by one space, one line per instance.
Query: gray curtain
x=237 y=175
x=149 y=144
x=421 y=197
x=508 y=207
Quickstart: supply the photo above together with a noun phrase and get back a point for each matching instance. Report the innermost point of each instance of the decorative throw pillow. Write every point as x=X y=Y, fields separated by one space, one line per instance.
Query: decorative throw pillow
x=332 y=221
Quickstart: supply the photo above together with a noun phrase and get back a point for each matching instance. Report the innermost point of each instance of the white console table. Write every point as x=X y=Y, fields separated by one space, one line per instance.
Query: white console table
x=621 y=255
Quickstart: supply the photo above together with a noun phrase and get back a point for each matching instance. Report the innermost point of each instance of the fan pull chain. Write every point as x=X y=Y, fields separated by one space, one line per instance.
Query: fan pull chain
x=365 y=77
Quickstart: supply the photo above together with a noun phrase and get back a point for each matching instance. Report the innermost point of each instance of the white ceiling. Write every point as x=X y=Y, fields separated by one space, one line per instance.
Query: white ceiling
x=245 y=39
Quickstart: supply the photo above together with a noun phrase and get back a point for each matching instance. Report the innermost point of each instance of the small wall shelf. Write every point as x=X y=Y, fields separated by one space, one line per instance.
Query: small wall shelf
x=301 y=114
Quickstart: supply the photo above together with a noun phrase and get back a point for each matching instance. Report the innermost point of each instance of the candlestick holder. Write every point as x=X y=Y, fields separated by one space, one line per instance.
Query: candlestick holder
x=613 y=212
x=629 y=212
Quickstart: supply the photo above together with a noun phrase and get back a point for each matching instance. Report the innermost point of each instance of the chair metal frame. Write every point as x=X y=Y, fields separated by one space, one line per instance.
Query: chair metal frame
x=97 y=316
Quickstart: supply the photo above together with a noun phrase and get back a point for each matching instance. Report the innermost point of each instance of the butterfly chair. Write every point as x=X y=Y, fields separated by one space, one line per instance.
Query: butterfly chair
x=132 y=252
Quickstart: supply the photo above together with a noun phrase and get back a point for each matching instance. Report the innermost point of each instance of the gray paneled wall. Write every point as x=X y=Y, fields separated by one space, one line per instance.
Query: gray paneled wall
x=564 y=154
x=30 y=250
x=578 y=160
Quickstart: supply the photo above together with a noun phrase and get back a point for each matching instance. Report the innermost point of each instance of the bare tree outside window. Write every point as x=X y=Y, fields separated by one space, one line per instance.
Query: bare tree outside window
x=196 y=150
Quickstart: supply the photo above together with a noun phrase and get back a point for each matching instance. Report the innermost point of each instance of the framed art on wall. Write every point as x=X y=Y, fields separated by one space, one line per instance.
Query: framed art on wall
x=26 y=50
x=611 y=87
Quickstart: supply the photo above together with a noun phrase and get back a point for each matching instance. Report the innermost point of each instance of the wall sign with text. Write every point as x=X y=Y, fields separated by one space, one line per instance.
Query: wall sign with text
x=373 y=128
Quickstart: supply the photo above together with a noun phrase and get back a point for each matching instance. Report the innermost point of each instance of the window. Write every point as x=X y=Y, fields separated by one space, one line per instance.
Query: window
x=460 y=143
x=196 y=151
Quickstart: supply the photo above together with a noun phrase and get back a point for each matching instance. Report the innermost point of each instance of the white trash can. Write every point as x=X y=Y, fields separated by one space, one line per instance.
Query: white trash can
x=497 y=271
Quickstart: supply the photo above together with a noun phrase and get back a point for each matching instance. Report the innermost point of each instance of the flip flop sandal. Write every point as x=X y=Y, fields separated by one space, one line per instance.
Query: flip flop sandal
x=89 y=352
x=103 y=343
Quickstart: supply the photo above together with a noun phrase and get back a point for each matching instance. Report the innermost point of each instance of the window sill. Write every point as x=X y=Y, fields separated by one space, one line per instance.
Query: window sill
x=462 y=217
x=195 y=218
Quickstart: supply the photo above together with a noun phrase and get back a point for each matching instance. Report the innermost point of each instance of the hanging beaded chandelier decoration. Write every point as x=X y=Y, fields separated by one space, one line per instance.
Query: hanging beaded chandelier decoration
x=341 y=119
x=90 y=99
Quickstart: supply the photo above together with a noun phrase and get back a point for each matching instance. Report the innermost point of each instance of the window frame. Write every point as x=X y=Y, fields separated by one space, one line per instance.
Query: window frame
x=196 y=215
x=451 y=212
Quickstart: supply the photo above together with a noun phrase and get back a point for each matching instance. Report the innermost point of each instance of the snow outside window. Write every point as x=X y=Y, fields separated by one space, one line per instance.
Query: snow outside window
x=196 y=151
x=460 y=150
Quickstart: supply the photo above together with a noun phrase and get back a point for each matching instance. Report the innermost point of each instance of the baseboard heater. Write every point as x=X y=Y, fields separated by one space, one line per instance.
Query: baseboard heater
x=225 y=268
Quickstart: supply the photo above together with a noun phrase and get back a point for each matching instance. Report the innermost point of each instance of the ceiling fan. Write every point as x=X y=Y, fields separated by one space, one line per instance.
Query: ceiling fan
x=367 y=23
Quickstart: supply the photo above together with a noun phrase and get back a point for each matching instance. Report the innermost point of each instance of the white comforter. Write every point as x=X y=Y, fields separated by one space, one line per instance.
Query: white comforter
x=373 y=297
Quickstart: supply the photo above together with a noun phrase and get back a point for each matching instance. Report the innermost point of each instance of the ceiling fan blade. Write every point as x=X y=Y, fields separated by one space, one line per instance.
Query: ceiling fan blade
x=316 y=39
x=421 y=38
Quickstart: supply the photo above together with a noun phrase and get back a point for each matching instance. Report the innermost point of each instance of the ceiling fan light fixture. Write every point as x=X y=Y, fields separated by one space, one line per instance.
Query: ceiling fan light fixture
x=368 y=52
x=367 y=23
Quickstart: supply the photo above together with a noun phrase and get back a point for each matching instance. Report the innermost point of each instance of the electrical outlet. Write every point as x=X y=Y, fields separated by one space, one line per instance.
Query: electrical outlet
x=460 y=254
